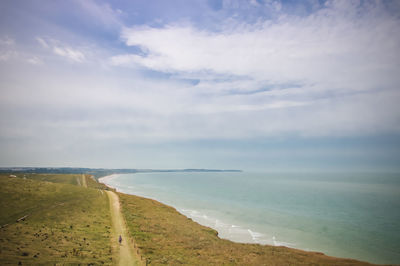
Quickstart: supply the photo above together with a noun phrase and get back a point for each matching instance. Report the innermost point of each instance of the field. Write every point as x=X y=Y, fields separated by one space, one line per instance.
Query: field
x=65 y=223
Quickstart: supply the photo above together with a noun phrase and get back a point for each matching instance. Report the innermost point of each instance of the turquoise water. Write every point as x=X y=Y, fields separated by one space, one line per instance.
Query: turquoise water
x=354 y=216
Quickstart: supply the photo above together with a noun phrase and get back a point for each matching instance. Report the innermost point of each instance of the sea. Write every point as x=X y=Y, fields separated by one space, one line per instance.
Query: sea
x=353 y=215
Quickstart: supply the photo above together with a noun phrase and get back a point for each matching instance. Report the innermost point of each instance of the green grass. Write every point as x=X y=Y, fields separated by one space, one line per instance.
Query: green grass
x=65 y=224
x=92 y=183
x=54 y=178
x=165 y=236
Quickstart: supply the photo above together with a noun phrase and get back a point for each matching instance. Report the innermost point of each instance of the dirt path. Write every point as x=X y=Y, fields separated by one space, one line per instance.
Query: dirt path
x=125 y=252
x=84 y=184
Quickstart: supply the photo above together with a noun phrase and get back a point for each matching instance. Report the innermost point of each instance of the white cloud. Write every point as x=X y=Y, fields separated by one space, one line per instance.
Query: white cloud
x=35 y=60
x=101 y=12
x=42 y=42
x=69 y=53
x=309 y=76
x=334 y=48
x=76 y=55
x=124 y=60
x=333 y=72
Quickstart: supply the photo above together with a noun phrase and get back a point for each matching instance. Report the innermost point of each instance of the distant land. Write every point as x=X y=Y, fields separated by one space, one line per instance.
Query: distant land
x=99 y=172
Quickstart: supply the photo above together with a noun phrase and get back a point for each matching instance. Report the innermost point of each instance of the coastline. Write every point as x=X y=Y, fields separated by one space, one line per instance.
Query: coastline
x=228 y=231
x=107 y=177
x=282 y=248
x=219 y=218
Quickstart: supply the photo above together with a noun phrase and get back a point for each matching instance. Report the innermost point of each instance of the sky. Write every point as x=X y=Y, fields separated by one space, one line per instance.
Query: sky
x=266 y=85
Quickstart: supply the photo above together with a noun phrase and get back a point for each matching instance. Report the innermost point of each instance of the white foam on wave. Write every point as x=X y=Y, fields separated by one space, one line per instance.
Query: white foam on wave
x=232 y=232
x=255 y=235
x=281 y=243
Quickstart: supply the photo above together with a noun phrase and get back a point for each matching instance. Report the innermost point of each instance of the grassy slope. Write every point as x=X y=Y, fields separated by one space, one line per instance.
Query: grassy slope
x=66 y=223
x=91 y=182
x=54 y=178
x=165 y=236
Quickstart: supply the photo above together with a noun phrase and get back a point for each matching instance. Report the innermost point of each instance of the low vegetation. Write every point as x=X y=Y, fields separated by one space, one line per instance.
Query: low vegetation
x=62 y=222
x=54 y=178
x=165 y=236
x=92 y=183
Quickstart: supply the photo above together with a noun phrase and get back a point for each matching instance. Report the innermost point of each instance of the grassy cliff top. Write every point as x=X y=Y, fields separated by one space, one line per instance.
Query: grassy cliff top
x=63 y=223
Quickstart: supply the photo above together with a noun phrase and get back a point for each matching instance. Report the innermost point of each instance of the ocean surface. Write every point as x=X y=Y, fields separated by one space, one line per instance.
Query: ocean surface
x=345 y=215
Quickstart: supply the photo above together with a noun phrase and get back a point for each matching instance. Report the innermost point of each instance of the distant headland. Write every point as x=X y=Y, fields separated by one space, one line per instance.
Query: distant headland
x=99 y=172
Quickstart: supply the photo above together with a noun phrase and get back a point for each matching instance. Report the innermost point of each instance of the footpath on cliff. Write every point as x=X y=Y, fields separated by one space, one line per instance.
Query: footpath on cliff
x=124 y=252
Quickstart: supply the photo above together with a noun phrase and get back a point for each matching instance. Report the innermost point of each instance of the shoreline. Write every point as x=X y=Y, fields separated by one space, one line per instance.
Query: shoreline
x=101 y=179
x=245 y=234
x=226 y=231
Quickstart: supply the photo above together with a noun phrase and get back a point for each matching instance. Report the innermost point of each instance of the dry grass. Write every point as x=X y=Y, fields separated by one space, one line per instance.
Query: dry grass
x=66 y=223
x=92 y=183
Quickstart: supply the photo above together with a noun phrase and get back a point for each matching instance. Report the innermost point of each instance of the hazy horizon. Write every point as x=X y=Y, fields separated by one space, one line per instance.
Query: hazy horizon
x=227 y=84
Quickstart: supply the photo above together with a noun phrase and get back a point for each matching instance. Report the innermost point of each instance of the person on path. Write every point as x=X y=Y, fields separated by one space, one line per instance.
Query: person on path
x=120 y=239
